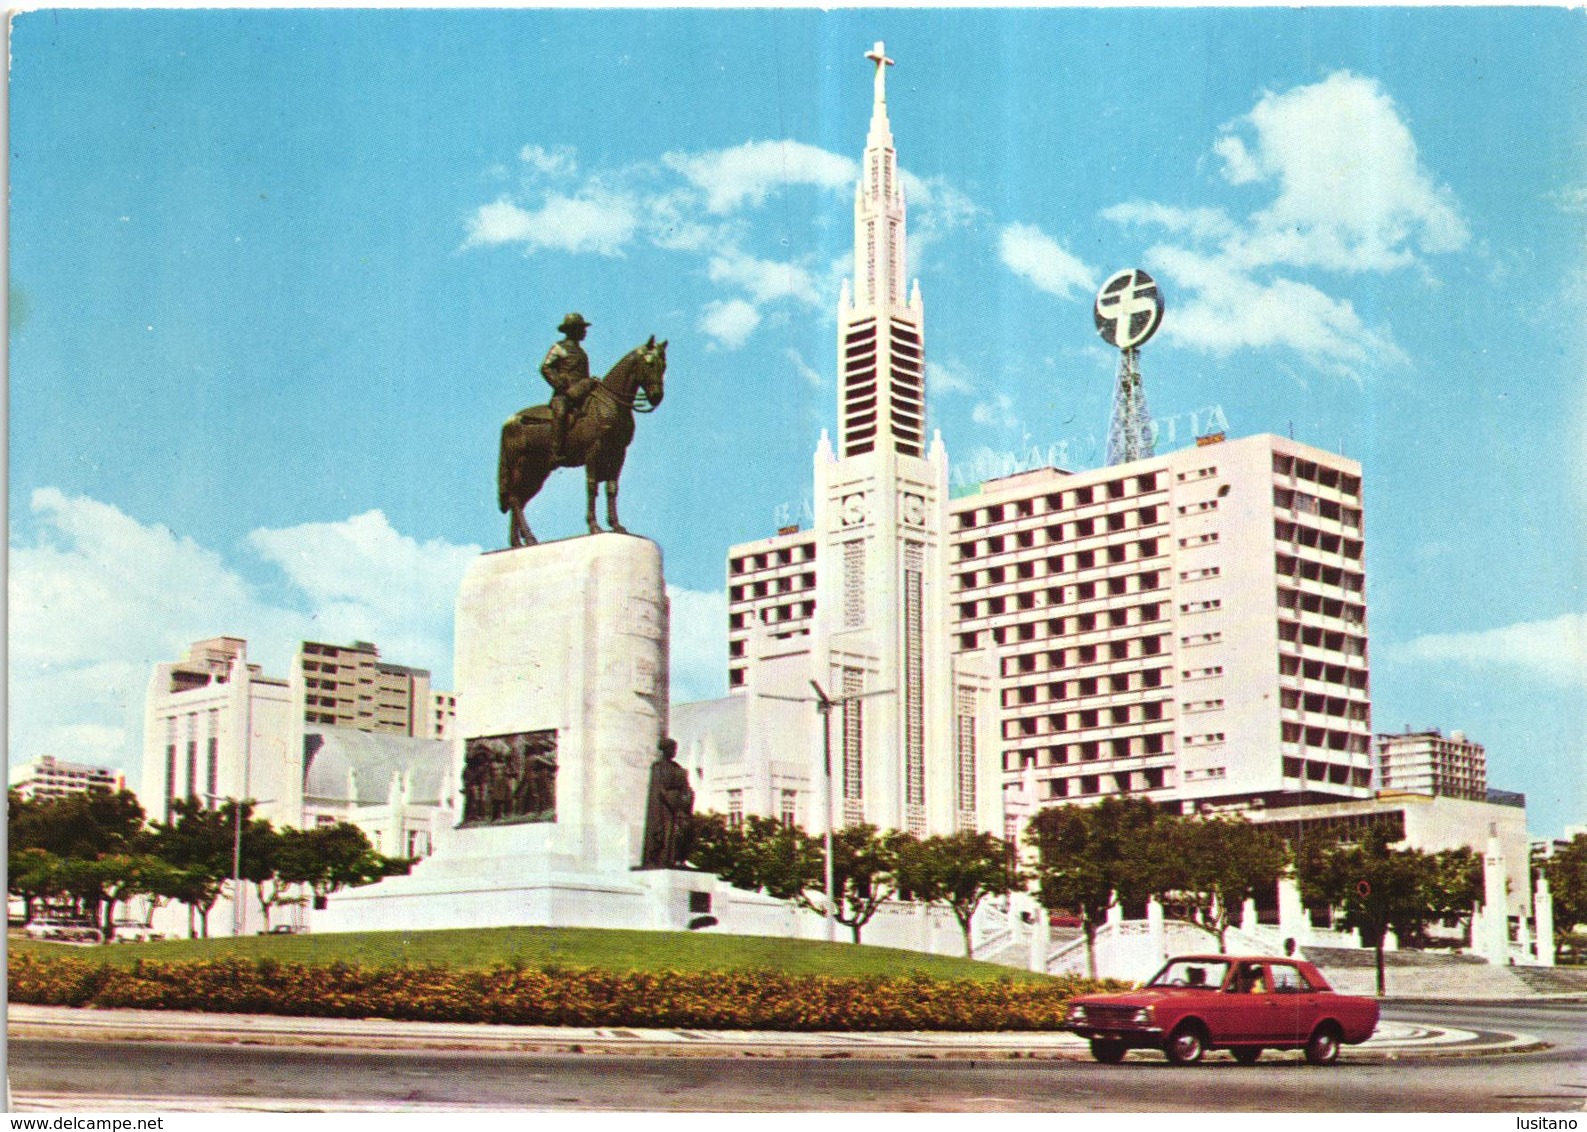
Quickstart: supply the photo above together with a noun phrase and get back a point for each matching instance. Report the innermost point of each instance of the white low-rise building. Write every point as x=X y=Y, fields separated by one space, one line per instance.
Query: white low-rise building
x=48 y=777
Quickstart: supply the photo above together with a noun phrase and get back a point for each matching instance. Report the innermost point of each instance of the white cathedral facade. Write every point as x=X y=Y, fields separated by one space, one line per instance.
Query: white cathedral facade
x=856 y=606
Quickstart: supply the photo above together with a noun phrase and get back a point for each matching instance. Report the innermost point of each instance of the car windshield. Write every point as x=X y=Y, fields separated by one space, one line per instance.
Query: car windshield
x=1192 y=974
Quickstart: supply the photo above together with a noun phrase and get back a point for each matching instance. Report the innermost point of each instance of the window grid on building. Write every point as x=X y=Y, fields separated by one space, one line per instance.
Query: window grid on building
x=914 y=690
x=964 y=751
x=853 y=747
x=853 y=584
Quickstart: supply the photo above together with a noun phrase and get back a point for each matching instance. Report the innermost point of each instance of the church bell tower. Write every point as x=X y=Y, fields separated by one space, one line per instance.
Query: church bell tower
x=881 y=500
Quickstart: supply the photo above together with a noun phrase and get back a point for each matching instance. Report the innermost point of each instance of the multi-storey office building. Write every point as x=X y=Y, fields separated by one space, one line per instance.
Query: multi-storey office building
x=48 y=777
x=444 y=713
x=770 y=583
x=350 y=686
x=855 y=604
x=1428 y=762
x=216 y=727
x=1191 y=627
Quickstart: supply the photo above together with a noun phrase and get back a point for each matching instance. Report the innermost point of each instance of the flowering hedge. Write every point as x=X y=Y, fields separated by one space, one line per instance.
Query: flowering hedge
x=717 y=1000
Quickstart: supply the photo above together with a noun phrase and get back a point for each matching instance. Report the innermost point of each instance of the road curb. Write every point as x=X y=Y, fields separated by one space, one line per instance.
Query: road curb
x=66 y=1023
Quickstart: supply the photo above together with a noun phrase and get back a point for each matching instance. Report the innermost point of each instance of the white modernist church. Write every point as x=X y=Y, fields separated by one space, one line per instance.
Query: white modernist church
x=856 y=604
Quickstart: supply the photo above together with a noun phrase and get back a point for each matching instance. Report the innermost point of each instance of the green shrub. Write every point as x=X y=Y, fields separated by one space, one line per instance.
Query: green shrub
x=519 y=995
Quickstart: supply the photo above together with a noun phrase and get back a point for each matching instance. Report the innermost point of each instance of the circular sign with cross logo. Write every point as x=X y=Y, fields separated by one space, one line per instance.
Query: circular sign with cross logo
x=1129 y=308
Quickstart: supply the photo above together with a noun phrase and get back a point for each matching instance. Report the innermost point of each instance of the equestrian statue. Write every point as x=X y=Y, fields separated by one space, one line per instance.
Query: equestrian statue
x=588 y=424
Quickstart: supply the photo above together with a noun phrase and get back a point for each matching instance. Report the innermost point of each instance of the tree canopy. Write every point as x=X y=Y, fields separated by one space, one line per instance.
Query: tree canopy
x=1380 y=888
x=1091 y=857
x=1215 y=864
x=960 y=870
x=1567 y=881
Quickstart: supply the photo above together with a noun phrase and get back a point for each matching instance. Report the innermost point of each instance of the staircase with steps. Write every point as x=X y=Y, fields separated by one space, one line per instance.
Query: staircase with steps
x=1335 y=958
x=1554 y=980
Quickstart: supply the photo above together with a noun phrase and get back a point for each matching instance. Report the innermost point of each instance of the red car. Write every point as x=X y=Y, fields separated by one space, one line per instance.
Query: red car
x=1242 y=1004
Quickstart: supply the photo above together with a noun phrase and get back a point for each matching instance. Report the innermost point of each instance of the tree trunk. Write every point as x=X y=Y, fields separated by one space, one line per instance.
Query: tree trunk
x=1090 y=931
x=964 y=926
x=1379 y=950
x=854 y=929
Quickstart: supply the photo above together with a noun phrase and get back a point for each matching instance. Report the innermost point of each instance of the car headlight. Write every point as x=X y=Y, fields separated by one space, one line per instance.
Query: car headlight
x=1143 y=1016
x=1077 y=1014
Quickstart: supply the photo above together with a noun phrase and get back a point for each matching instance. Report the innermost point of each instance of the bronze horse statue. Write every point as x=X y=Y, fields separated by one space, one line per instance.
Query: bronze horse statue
x=597 y=440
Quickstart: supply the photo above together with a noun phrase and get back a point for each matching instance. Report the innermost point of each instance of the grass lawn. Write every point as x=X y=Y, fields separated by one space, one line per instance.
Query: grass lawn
x=544 y=947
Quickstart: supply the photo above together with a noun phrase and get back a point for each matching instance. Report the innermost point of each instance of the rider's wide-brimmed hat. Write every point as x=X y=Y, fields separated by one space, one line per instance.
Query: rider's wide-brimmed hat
x=573 y=321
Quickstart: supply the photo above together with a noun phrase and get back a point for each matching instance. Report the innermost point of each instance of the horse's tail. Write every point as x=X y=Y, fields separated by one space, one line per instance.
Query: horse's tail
x=503 y=471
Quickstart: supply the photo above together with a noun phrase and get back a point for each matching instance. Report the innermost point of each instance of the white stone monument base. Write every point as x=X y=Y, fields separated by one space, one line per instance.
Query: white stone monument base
x=501 y=887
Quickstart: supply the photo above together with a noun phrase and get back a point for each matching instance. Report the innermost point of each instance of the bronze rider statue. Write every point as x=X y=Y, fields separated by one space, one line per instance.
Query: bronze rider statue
x=567 y=370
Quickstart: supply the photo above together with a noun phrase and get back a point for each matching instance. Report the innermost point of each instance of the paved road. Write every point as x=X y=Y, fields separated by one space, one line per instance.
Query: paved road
x=50 y=1073
x=1561 y=1023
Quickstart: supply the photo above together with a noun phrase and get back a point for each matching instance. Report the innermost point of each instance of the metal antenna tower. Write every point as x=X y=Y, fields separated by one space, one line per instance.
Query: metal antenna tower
x=1128 y=310
x=1130 y=428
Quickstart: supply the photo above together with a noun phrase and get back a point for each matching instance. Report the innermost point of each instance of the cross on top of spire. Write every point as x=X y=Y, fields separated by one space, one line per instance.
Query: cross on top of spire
x=878 y=55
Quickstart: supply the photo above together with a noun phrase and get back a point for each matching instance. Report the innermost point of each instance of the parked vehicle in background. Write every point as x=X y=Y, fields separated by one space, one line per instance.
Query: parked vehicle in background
x=131 y=931
x=63 y=931
x=1239 y=1003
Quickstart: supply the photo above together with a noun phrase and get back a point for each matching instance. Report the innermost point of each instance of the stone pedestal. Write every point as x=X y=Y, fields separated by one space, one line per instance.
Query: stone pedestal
x=565 y=640
x=1543 y=910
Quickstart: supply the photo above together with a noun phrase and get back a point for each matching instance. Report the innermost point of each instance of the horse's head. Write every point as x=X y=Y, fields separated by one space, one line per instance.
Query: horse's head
x=637 y=378
x=652 y=370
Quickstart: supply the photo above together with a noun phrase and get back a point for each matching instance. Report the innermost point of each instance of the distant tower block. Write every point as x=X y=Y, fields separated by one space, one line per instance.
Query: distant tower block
x=1128 y=311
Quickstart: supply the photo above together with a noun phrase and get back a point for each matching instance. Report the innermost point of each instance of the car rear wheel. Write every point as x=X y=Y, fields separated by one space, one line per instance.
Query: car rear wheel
x=1107 y=1052
x=1322 y=1048
x=1246 y=1055
x=1186 y=1044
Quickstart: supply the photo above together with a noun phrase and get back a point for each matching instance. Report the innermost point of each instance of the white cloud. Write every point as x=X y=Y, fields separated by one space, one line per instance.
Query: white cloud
x=1554 y=650
x=764 y=279
x=746 y=173
x=936 y=208
x=699 y=644
x=1349 y=195
x=1570 y=200
x=1042 y=261
x=559 y=162
x=595 y=221
x=730 y=323
x=1225 y=309
x=997 y=412
x=1352 y=194
x=947 y=377
x=1198 y=223
x=804 y=369
x=366 y=581
x=96 y=599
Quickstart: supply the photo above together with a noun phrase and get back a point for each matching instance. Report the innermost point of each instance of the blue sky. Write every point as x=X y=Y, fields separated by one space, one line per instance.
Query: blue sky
x=278 y=276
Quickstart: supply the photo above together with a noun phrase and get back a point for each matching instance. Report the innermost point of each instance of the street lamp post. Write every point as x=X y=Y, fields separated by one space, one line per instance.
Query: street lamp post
x=824 y=705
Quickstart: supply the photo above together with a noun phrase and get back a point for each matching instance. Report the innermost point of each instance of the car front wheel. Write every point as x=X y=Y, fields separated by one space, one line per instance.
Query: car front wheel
x=1107 y=1052
x=1322 y=1048
x=1186 y=1044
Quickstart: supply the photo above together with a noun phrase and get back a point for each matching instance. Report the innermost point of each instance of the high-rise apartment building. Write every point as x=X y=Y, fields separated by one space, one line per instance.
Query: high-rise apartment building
x=855 y=603
x=350 y=686
x=1189 y=628
x=1428 y=762
x=48 y=777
